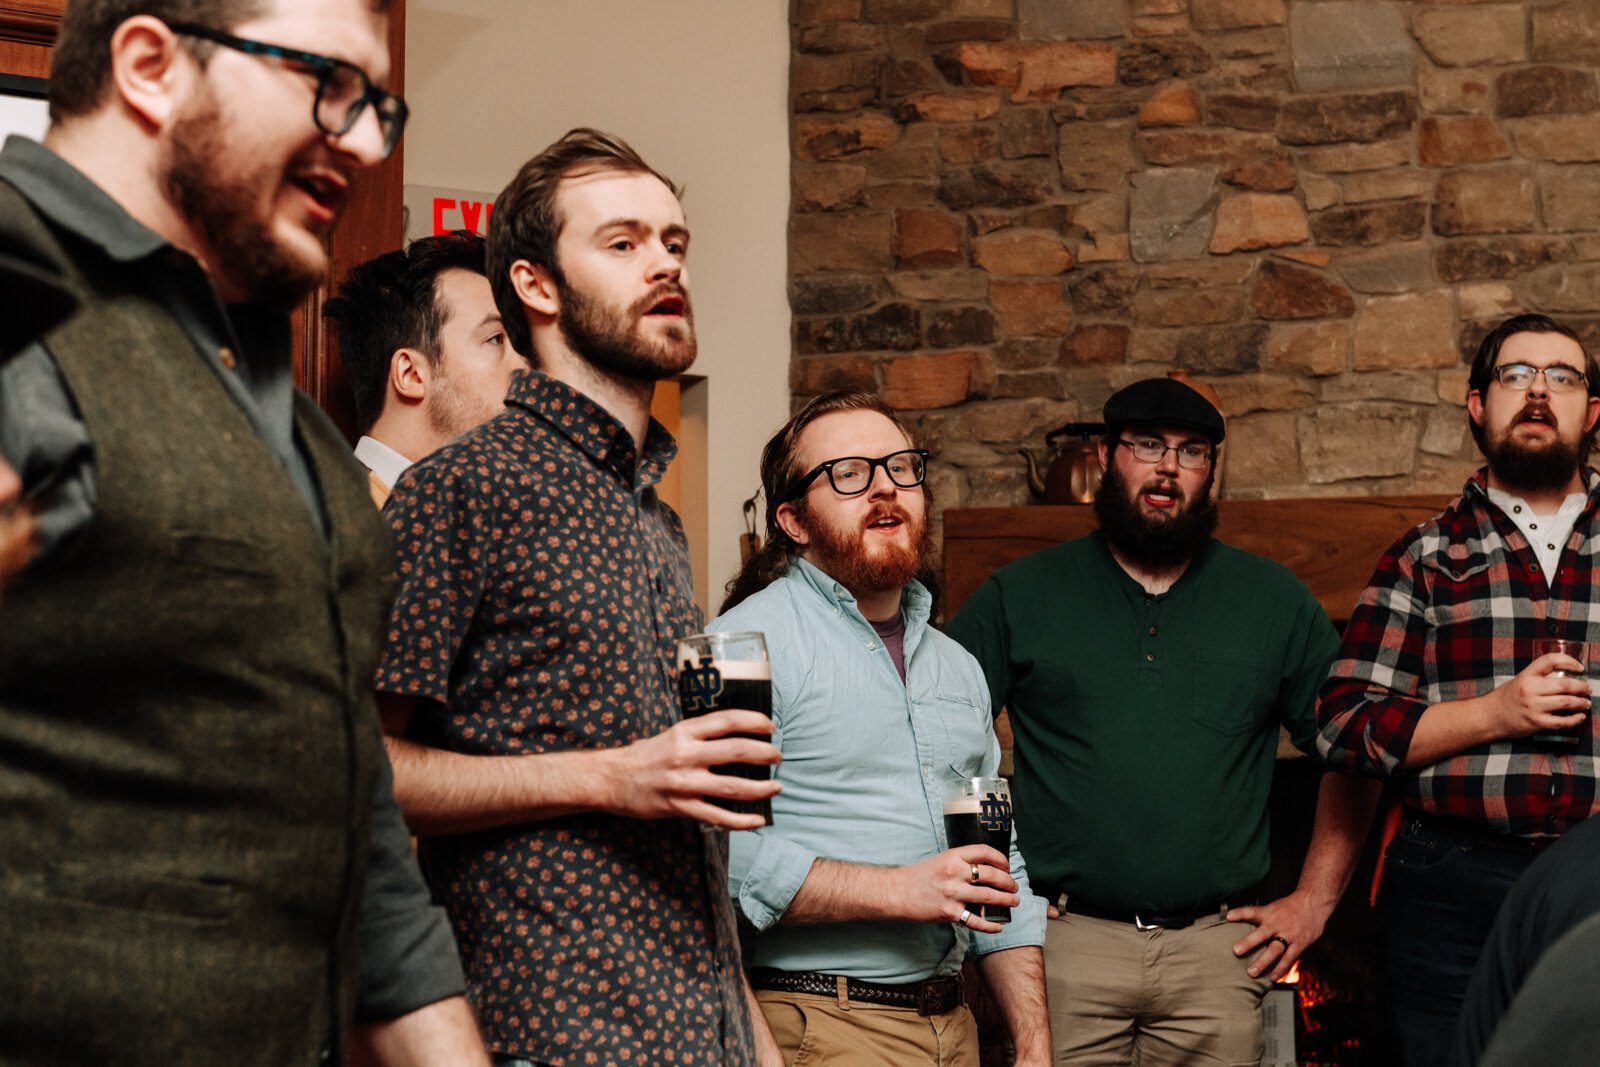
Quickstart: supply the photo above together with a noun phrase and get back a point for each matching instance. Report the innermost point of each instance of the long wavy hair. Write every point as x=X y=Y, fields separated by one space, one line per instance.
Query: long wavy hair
x=780 y=470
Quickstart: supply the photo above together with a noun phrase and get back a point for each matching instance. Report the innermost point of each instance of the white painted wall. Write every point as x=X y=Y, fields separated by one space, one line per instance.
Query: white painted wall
x=700 y=88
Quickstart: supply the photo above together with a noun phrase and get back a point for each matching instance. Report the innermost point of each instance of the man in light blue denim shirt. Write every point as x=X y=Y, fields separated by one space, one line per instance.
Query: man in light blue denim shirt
x=862 y=915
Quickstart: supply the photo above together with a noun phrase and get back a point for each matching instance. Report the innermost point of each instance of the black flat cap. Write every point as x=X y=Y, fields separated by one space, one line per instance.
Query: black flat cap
x=1163 y=402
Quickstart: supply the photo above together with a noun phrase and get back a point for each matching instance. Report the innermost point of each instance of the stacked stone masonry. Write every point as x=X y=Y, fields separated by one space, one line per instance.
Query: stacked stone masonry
x=1004 y=210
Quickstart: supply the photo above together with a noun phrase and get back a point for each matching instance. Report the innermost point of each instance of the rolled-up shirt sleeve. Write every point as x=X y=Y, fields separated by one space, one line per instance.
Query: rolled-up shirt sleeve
x=765 y=871
x=408 y=956
x=1369 y=707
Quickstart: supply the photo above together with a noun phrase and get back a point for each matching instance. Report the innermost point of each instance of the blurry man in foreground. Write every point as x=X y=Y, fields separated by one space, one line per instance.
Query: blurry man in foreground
x=201 y=862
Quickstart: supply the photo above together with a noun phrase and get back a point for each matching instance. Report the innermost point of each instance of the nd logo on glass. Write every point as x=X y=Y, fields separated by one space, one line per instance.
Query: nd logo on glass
x=994 y=813
x=700 y=685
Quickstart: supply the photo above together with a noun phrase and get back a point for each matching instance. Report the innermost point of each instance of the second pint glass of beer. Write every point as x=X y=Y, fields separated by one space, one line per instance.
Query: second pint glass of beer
x=718 y=672
x=977 y=811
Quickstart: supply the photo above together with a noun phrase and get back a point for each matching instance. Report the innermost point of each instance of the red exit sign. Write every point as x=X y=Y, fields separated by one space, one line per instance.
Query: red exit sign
x=451 y=214
x=431 y=210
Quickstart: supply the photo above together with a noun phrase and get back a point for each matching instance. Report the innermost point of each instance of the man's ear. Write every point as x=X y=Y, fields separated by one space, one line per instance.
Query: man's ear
x=789 y=523
x=1475 y=407
x=1103 y=450
x=148 y=72
x=409 y=374
x=536 y=288
x=1594 y=413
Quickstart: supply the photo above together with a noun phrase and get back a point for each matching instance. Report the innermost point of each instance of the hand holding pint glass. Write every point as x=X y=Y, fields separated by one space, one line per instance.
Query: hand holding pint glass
x=977 y=811
x=1578 y=650
x=721 y=672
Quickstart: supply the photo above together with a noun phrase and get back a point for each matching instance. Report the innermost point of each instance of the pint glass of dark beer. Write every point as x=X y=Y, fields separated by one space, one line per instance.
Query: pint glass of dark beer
x=719 y=672
x=977 y=811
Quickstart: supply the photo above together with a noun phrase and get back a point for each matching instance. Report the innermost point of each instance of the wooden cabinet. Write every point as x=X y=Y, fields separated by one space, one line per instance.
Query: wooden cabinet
x=1332 y=544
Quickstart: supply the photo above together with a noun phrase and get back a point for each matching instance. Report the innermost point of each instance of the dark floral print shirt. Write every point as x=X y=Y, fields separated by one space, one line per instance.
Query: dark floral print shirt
x=544 y=586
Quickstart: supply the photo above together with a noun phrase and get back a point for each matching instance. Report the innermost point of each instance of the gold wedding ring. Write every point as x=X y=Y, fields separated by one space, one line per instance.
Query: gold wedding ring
x=974 y=874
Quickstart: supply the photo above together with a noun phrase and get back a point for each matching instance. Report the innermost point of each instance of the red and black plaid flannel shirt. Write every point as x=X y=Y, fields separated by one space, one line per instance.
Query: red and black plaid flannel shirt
x=1451 y=613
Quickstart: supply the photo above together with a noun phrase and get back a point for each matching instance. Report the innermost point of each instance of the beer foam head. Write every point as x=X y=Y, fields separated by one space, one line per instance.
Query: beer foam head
x=962 y=806
x=745 y=670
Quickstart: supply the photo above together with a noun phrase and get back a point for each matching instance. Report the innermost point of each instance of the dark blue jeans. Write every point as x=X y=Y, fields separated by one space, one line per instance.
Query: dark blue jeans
x=1440 y=894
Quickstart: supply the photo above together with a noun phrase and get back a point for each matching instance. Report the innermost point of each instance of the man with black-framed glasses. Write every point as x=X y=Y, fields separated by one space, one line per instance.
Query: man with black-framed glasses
x=202 y=861
x=862 y=913
x=1147 y=669
x=1441 y=688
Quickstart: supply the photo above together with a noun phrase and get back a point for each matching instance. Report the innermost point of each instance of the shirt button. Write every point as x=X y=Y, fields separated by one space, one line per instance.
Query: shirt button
x=1533 y=526
x=1534 y=568
x=229 y=360
x=1550 y=547
x=1517 y=509
x=871 y=645
x=1152 y=631
x=1149 y=657
x=1554 y=628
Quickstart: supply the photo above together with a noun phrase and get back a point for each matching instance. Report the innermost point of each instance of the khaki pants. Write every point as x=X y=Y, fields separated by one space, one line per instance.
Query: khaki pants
x=1120 y=995
x=815 y=1030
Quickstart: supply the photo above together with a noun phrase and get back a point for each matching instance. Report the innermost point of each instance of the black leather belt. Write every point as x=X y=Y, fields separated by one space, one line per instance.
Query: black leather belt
x=1145 y=920
x=1476 y=833
x=932 y=997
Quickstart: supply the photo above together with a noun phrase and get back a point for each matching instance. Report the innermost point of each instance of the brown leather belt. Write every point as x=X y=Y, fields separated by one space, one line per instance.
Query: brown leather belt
x=932 y=997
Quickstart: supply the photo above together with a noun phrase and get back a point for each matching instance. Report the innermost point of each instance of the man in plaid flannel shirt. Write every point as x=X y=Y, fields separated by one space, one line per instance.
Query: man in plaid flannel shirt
x=1438 y=687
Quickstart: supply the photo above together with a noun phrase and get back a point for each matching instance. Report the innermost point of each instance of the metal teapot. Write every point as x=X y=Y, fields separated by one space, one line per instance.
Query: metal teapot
x=1074 y=471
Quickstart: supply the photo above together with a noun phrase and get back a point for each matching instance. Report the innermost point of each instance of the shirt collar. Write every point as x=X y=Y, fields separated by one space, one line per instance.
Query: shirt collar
x=1478 y=487
x=916 y=603
x=381 y=460
x=65 y=195
x=593 y=429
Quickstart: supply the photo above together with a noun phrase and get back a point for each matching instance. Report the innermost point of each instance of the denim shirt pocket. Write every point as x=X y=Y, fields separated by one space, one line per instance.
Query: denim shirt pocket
x=965 y=728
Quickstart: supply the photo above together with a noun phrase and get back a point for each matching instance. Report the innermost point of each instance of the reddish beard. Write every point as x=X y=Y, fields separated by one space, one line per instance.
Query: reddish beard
x=846 y=555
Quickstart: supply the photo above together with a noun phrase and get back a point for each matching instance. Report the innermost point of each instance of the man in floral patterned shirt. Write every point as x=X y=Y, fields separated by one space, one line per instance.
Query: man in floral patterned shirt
x=528 y=690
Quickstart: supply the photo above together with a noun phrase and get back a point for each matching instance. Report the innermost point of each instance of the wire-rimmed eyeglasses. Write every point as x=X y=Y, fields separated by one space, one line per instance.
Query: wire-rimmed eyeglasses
x=1149 y=450
x=343 y=89
x=852 y=475
x=1558 y=378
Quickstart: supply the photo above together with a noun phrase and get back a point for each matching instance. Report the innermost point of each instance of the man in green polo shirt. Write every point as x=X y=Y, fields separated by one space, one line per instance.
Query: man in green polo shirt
x=1147 y=668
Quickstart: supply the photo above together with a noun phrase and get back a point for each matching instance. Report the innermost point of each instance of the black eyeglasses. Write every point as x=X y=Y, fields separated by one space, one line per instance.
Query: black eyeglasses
x=852 y=475
x=343 y=89
x=1519 y=376
x=1149 y=450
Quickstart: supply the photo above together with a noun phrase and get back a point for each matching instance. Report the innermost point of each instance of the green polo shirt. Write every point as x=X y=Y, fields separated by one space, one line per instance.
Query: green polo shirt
x=1146 y=726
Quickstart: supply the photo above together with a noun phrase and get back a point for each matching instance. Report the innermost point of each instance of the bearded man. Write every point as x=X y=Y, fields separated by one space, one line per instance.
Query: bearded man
x=1441 y=687
x=201 y=860
x=1146 y=669
x=862 y=915
x=527 y=691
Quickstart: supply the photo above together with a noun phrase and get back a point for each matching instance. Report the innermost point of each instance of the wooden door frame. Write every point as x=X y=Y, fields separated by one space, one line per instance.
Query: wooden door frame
x=372 y=222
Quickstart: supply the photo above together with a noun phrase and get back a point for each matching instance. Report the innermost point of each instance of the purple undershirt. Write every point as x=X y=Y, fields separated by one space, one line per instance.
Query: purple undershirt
x=893 y=635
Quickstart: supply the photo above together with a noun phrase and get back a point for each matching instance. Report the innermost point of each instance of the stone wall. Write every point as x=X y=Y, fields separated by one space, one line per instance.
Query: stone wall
x=1005 y=209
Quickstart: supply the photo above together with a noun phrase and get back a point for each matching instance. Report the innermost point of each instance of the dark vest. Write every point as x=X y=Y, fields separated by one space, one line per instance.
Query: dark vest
x=188 y=745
